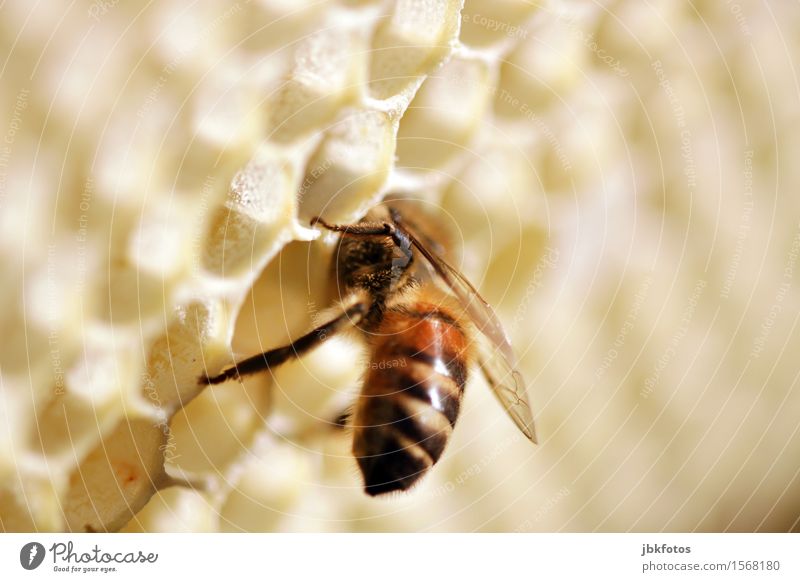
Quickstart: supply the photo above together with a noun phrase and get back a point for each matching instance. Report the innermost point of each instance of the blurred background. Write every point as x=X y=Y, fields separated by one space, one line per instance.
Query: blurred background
x=616 y=177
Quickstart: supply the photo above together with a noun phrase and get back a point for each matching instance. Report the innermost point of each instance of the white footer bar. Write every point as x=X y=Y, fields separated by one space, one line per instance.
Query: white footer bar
x=400 y=557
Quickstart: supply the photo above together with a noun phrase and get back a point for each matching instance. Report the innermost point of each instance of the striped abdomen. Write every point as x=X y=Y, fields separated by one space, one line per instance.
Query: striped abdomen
x=411 y=396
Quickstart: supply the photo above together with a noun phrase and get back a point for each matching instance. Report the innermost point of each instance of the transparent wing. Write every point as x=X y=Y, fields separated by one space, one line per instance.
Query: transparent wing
x=495 y=355
x=479 y=311
x=508 y=386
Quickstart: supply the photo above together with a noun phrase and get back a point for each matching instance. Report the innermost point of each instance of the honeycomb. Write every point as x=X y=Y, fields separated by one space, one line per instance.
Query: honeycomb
x=610 y=173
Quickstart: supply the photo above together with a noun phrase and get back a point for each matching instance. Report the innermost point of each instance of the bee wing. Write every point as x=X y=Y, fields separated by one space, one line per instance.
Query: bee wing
x=496 y=357
x=508 y=386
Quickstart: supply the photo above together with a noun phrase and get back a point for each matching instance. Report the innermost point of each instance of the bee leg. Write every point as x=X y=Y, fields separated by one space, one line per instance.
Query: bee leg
x=269 y=359
x=361 y=228
x=341 y=421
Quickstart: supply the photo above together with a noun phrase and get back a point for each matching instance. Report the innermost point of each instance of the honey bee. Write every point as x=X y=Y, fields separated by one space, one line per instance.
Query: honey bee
x=425 y=325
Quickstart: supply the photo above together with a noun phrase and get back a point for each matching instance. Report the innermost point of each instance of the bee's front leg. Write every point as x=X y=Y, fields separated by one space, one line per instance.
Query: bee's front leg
x=350 y=316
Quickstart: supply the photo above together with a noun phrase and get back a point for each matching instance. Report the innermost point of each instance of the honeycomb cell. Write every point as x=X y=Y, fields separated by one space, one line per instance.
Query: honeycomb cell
x=160 y=244
x=175 y=510
x=485 y=22
x=275 y=27
x=254 y=221
x=346 y=172
x=218 y=426
x=444 y=114
x=413 y=41
x=104 y=375
x=519 y=271
x=30 y=505
x=541 y=70
x=498 y=181
x=226 y=114
x=286 y=299
x=17 y=418
x=127 y=295
x=208 y=155
x=117 y=478
x=327 y=74
x=15 y=513
x=266 y=488
x=21 y=339
x=188 y=40
x=311 y=392
x=65 y=426
x=192 y=345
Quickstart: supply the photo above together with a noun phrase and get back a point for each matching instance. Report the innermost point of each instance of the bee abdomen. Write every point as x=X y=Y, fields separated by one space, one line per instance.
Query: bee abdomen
x=398 y=436
x=435 y=381
x=410 y=401
x=415 y=423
